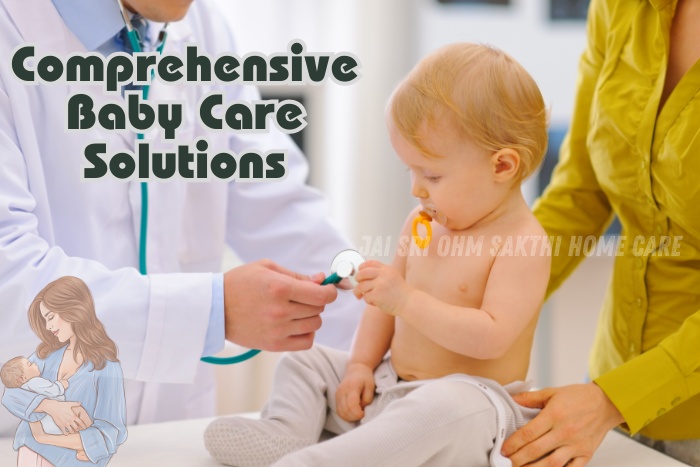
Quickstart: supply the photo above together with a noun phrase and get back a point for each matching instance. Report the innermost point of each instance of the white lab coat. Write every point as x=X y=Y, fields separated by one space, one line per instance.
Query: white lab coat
x=54 y=224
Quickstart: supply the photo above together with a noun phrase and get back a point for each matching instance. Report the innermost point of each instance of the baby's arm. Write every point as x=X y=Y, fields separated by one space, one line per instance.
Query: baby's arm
x=513 y=296
x=51 y=389
x=371 y=343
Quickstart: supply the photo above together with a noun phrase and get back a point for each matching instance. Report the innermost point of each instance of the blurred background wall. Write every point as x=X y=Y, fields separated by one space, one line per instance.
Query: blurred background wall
x=352 y=161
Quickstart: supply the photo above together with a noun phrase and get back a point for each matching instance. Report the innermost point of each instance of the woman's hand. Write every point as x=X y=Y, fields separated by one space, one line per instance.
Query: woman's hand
x=63 y=414
x=83 y=416
x=38 y=432
x=355 y=392
x=382 y=286
x=573 y=422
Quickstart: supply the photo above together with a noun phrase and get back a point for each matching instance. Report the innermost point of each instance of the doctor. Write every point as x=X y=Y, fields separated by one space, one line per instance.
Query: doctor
x=54 y=224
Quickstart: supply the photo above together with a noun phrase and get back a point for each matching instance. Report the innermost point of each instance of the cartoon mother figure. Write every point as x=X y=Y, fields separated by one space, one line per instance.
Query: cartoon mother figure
x=77 y=358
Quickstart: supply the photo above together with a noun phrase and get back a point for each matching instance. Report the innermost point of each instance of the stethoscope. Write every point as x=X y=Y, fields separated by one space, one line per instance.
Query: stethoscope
x=136 y=46
x=344 y=266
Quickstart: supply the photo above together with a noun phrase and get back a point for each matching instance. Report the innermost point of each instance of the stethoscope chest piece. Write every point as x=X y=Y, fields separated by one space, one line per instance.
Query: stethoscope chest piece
x=346 y=264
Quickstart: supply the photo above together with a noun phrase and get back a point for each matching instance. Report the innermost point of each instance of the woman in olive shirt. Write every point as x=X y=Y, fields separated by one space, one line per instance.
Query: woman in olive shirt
x=633 y=150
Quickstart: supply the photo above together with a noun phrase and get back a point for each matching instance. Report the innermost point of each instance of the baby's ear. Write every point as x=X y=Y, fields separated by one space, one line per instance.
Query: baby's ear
x=505 y=164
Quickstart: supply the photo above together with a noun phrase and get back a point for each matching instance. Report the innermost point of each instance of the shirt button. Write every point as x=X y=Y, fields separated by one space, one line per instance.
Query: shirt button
x=632 y=347
x=644 y=165
x=638 y=301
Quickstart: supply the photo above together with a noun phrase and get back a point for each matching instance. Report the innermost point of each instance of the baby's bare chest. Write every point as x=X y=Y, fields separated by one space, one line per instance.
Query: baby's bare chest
x=457 y=279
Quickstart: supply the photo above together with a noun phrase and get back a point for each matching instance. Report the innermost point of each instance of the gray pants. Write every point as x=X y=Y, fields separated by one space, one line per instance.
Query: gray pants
x=442 y=422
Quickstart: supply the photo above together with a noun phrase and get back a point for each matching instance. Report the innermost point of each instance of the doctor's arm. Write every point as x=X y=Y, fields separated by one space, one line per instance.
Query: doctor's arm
x=152 y=347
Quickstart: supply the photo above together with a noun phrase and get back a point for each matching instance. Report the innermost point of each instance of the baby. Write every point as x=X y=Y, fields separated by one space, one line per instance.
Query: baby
x=19 y=372
x=446 y=336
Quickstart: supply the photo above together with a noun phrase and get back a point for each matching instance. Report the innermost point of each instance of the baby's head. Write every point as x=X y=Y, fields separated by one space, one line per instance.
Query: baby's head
x=475 y=103
x=18 y=371
x=486 y=96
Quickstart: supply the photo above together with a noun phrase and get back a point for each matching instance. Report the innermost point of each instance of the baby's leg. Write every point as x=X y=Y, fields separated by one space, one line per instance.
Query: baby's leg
x=440 y=423
x=293 y=417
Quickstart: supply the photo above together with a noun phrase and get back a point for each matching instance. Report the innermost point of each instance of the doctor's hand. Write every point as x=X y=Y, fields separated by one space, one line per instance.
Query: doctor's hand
x=268 y=307
x=573 y=422
x=382 y=286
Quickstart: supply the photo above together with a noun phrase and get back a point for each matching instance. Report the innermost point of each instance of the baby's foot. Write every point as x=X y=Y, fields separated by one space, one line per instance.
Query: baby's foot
x=246 y=442
x=81 y=456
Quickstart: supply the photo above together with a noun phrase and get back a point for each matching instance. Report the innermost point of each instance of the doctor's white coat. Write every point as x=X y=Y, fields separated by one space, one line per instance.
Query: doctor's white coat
x=52 y=223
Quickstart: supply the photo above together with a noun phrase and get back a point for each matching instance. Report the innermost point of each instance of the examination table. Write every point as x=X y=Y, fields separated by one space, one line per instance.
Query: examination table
x=180 y=444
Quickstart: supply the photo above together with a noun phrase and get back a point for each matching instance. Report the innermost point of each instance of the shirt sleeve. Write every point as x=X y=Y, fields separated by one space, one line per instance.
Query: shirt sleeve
x=214 y=340
x=108 y=429
x=657 y=381
x=573 y=203
x=158 y=321
x=22 y=403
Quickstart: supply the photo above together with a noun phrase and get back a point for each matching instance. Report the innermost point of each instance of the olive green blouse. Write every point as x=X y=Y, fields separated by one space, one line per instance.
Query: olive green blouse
x=621 y=157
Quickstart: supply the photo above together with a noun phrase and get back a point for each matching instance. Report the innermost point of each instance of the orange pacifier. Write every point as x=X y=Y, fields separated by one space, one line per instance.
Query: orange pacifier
x=428 y=214
x=423 y=218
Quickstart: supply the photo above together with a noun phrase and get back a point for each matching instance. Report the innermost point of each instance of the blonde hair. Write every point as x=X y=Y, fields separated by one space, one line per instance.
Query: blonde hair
x=12 y=373
x=488 y=96
x=70 y=298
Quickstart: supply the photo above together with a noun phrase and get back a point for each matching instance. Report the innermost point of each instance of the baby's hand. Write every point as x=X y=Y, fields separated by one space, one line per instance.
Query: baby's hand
x=64 y=383
x=381 y=286
x=355 y=392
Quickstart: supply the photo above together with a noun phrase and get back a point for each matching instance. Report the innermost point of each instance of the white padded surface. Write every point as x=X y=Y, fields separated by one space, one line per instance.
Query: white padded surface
x=180 y=444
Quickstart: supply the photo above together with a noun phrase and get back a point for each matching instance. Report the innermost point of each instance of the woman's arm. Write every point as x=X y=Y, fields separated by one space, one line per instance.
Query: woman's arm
x=72 y=441
x=108 y=429
x=574 y=419
x=31 y=407
x=69 y=416
x=573 y=204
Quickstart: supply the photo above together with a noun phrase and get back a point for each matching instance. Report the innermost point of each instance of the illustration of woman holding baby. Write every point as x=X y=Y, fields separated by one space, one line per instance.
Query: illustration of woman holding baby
x=76 y=353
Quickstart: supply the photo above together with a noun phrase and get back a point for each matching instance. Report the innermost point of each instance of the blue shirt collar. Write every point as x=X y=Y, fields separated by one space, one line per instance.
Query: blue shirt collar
x=93 y=22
